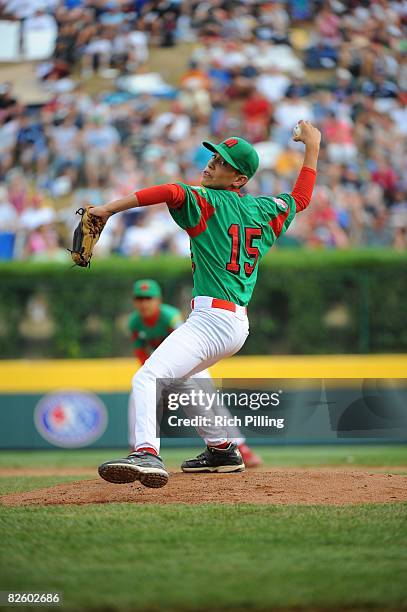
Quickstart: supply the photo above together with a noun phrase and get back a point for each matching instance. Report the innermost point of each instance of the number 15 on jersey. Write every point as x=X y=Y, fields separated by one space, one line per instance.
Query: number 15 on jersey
x=250 y=234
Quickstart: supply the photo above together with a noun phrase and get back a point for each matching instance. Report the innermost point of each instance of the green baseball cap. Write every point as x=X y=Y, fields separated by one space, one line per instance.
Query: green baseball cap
x=238 y=153
x=146 y=288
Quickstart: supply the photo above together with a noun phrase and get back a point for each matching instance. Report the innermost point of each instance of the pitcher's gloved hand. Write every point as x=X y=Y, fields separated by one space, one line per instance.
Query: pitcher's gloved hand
x=85 y=236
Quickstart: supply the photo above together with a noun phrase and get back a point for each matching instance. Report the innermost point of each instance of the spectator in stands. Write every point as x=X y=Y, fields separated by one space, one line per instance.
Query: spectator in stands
x=100 y=141
x=8 y=140
x=328 y=26
x=65 y=144
x=272 y=83
x=17 y=189
x=31 y=145
x=37 y=212
x=176 y=124
x=287 y=114
x=40 y=20
x=256 y=115
x=298 y=88
x=8 y=213
x=43 y=244
x=339 y=139
x=385 y=176
x=325 y=229
x=9 y=106
x=137 y=47
x=97 y=53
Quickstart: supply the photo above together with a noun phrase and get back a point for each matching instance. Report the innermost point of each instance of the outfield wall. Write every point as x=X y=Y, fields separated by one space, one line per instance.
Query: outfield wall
x=329 y=399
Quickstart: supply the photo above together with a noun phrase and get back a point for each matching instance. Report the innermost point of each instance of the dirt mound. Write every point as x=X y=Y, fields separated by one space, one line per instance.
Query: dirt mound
x=291 y=486
x=47 y=471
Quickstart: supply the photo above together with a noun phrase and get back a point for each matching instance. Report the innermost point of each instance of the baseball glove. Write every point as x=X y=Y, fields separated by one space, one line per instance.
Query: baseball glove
x=85 y=237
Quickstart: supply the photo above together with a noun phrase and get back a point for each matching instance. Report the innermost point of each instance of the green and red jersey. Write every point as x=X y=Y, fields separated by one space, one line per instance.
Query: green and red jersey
x=147 y=334
x=230 y=232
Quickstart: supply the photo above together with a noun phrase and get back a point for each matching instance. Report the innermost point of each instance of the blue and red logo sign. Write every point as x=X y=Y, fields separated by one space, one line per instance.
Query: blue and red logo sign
x=70 y=419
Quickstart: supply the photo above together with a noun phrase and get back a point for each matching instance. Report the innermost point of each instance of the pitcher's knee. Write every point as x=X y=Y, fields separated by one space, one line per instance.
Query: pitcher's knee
x=147 y=375
x=141 y=377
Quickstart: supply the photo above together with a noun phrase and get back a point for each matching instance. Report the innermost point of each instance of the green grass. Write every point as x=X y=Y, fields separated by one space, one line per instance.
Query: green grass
x=179 y=557
x=375 y=455
x=122 y=557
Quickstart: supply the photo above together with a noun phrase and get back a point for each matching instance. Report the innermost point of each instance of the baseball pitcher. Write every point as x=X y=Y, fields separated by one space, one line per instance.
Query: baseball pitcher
x=229 y=232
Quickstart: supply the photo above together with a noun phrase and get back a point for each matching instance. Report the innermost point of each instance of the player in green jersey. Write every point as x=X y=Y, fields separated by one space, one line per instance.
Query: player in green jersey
x=149 y=324
x=151 y=321
x=230 y=231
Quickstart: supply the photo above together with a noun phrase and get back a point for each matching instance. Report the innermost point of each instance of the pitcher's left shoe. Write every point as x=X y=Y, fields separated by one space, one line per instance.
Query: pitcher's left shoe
x=251 y=460
x=215 y=459
x=146 y=467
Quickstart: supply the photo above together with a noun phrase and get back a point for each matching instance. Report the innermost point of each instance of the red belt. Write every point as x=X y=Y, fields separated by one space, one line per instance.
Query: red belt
x=224 y=304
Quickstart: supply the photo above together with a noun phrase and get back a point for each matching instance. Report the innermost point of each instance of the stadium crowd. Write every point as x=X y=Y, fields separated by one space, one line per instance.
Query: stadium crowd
x=254 y=70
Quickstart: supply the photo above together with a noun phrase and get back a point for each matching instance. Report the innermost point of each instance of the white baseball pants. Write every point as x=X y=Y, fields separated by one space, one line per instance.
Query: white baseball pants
x=208 y=335
x=210 y=433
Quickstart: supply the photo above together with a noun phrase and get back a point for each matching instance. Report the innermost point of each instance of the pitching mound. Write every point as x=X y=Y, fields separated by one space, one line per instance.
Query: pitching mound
x=291 y=486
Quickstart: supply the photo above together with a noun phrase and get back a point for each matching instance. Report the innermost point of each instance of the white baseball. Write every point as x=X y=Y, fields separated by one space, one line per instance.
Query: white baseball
x=297 y=130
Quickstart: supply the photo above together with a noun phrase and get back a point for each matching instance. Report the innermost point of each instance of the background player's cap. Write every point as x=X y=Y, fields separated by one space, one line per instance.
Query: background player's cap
x=146 y=288
x=238 y=153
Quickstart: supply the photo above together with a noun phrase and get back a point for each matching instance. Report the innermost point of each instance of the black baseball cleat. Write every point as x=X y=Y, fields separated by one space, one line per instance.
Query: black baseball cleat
x=143 y=466
x=216 y=460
